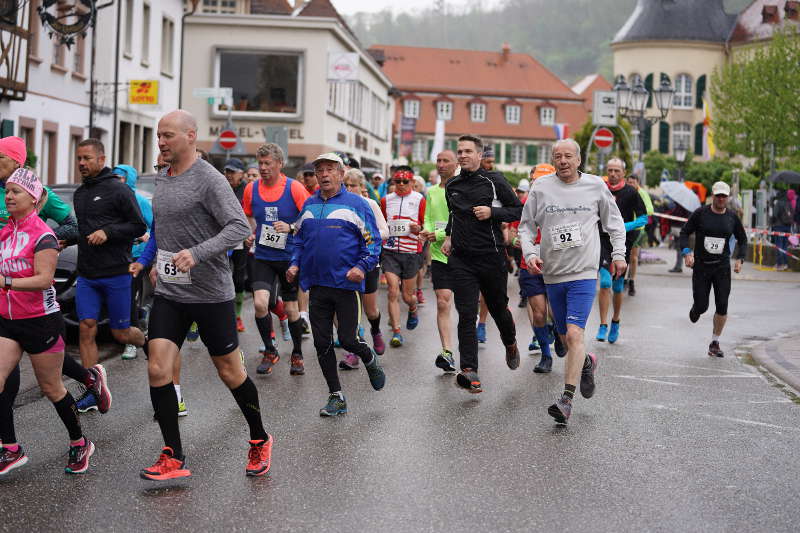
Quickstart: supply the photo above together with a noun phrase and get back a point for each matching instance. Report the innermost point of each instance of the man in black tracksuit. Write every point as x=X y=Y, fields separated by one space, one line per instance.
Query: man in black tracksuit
x=479 y=201
x=109 y=220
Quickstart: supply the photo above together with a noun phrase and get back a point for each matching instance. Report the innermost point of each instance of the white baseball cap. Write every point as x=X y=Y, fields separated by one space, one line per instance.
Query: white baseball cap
x=721 y=187
x=330 y=156
x=524 y=185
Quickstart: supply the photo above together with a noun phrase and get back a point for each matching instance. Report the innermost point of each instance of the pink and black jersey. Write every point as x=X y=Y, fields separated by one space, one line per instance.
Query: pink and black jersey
x=19 y=242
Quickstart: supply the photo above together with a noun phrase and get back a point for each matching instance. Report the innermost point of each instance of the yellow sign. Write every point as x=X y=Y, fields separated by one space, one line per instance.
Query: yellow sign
x=143 y=92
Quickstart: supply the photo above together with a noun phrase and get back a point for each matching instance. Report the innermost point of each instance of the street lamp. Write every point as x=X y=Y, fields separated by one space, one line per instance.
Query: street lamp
x=632 y=103
x=680 y=150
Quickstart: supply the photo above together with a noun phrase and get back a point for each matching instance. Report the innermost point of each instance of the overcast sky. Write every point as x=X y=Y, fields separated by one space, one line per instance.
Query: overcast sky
x=348 y=7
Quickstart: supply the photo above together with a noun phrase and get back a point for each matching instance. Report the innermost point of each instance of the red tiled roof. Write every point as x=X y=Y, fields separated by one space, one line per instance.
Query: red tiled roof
x=750 y=24
x=323 y=8
x=270 y=7
x=471 y=72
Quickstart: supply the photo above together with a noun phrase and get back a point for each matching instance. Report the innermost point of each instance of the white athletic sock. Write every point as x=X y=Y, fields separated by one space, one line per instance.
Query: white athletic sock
x=304 y=314
x=178 y=392
x=714 y=338
x=339 y=394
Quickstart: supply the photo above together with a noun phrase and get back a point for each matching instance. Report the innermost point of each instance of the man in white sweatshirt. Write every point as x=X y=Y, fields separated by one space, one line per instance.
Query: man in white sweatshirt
x=567 y=206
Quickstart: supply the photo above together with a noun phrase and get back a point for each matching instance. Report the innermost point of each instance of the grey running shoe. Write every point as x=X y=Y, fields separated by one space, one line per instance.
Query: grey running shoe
x=336 y=405
x=376 y=376
x=561 y=410
x=714 y=350
x=545 y=365
x=512 y=356
x=587 y=376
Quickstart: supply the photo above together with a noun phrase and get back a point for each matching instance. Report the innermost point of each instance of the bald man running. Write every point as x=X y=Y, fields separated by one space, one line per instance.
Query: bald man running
x=197 y=218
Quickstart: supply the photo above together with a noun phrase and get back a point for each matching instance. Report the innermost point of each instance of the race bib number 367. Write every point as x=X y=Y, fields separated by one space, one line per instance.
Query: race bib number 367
x=271 y=238
x=566 y=236
x=168 y=272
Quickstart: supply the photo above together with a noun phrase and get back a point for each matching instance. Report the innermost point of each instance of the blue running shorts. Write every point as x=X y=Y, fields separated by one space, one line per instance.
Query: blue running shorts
x=114 y=292
x=571 y=302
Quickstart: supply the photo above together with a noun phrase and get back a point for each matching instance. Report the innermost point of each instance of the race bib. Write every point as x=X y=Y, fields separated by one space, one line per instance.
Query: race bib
x=168 y=272
x=271 y=238
x=714 y=245
x=566 y=236
x=439 y=226
x=399 y=228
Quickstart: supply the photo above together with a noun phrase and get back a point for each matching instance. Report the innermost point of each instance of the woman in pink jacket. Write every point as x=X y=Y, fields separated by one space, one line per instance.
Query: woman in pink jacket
x=30 y=318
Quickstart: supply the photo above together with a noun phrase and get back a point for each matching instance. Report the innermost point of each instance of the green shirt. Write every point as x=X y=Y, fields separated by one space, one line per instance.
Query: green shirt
x=436 y=216
x=54 y=209
x=648 y=203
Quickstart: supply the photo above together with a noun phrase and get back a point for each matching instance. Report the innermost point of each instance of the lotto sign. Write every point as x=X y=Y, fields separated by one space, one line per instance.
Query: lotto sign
x=603 y=138
x=143 y=92
x=227 y=139
x=342 y=66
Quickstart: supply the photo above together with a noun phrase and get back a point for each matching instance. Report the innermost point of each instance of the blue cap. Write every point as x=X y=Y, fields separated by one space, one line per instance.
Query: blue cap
x=234 y=164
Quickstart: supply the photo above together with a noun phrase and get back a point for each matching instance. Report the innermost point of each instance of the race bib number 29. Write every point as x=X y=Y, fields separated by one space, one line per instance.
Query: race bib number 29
x=168 y=272
x=566 y=236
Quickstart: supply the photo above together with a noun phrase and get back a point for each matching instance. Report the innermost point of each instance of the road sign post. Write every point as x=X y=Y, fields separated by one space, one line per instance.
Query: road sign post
x=604 y=110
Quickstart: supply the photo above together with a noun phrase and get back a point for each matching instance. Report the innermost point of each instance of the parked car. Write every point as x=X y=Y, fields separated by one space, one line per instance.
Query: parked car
x=67 y=272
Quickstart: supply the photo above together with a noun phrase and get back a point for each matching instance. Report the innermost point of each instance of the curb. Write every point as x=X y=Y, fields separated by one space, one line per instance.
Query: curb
x=767 y=355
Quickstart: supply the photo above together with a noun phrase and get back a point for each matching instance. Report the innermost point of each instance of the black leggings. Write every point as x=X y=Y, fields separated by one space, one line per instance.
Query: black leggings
x=324 y=303
x=238 y=261
x=705 y=277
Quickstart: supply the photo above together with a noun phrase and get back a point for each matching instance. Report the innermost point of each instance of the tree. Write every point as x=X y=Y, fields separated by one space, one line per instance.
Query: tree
x=755 y=101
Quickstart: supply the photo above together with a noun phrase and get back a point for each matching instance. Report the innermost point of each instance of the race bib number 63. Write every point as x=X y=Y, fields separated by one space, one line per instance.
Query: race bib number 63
x=168 y=272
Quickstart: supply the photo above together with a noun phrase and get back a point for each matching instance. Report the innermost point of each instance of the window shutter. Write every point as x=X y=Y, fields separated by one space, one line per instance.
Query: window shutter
x=663 y=137
x=531 y=154
x=648 y=84
x=452 y=144
x=427 y=155
x=497 y=152
x=647 y=139
x=507 y=159
x=7 y=128
x=698 y=138
x=701 y=90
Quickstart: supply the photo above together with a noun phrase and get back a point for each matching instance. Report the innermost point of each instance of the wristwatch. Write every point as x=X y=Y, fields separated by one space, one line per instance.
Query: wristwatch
x=7 y=282
x=292 y=228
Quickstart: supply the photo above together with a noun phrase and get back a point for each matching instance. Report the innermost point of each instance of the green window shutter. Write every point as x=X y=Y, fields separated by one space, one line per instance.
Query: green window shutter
x=452 y=144
x=6 y=128
x=497 y=152
x=648 y=84
x=698 y=138
x=663 y=137
x=507 y=159
x=647 y=139
x=701 y=91
x=531 y=154
x=428 y=152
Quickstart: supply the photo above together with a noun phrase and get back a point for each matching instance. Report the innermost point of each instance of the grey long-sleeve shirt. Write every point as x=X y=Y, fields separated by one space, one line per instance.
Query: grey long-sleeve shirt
x=567 y=214
x=197 y=211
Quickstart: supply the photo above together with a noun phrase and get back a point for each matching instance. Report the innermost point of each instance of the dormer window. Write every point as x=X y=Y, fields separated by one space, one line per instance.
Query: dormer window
x=769 y=15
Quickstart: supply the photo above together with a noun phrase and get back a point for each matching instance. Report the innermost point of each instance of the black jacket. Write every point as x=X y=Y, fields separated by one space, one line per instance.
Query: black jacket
x=468 y=235
x=104 y=202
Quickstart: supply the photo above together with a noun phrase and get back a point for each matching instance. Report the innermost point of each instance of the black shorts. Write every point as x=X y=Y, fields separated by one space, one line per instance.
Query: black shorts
x=440 y=276
x=267 y=275
x=402 y=265
x=371 y=280
x=216 y=323
x=704 y=277
x=35 y=335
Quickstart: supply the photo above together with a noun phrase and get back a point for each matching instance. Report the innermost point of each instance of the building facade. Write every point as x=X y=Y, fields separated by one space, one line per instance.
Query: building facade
x=276 y=60
x=508 y=99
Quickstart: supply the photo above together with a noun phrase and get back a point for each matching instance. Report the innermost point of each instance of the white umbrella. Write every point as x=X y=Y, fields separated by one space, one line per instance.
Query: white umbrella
x=681 y=194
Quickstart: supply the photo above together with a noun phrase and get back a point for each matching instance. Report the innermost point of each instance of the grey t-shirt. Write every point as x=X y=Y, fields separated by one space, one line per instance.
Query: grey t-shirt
x=197 y=211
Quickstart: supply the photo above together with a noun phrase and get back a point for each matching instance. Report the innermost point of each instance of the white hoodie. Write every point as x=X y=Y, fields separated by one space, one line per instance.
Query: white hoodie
x=567 y=214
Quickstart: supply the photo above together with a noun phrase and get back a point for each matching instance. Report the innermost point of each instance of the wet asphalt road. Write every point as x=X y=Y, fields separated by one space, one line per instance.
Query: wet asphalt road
x=672 y=441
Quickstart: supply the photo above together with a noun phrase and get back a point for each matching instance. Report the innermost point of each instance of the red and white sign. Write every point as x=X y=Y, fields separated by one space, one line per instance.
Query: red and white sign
x=603 y=138
x=228 y=139
x=343 y=66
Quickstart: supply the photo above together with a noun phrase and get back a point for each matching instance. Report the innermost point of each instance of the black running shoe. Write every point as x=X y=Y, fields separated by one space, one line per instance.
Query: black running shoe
x=714 y=350
x=631 y=288
x=587 y=376
x=561 y=350
x=561 y=410
x=545 y=365
x=445 y=361
x=512 y=356
x=468 y=379
x=694 y=316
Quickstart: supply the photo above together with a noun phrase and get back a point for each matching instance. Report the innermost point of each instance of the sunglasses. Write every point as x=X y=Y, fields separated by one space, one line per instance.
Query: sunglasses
x=404 y=182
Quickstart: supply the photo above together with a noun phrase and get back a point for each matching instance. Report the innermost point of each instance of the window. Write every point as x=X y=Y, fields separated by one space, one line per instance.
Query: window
x=146 y=34
x=635 y=142
x=33 y=43
x=73 y=163
x=517 y=154
x=444 y=110
x=411 y=108
x=59 y=54
x=547 y=116
x=223 y=7
x=272 y=84
x=128 y=50
x=512 y=114
x=78 y=54
x=477 y=112
x=419 y=151
x=544 y=154
x=49 y=153
x=682 y=136
x=683 y=92
x=167 y=46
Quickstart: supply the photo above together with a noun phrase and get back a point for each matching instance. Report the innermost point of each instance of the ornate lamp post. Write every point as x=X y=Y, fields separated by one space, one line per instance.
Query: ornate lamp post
x=632 y=103
x=680 y=150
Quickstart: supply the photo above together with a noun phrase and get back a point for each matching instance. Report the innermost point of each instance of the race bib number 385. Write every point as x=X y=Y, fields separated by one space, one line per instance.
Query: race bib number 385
x=566 y=236
x=168 y=272
x=399 y=228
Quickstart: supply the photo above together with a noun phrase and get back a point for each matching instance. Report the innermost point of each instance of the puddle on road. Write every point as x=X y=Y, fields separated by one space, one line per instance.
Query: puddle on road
x=744 y=353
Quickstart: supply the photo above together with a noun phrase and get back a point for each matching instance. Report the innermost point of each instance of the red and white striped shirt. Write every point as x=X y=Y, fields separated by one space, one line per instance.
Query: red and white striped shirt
x=400 y=212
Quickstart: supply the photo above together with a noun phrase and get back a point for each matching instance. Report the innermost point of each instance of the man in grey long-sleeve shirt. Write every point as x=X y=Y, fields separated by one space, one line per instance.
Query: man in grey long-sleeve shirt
x=566 y=207
x=197 y=218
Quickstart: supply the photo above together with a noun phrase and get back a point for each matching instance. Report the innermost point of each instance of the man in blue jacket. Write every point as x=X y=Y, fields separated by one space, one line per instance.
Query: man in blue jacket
x=336 y=244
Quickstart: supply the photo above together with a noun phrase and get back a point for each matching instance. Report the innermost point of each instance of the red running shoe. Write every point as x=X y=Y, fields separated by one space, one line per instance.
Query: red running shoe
x=239 y=324
x=78 y=462
x=420 y=296
x=259 y=458
x=100 y=388
x=167 y=467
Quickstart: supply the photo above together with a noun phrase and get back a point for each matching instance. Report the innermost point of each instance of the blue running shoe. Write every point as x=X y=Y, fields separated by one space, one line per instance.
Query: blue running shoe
x=613 y=333
x=336 y=405
x=534 y=347
x=481 y=332
x=602 y=332
x=397 y=340
x=87 y=402
x=413 y=320
x=336 y=343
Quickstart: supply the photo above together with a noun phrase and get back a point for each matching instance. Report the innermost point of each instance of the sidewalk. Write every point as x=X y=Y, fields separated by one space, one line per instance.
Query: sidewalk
x=782 y=358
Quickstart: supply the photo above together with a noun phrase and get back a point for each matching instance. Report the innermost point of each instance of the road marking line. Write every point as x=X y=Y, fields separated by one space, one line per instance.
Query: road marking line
x=674 y=364
x=728 y=418
x=697 y=376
